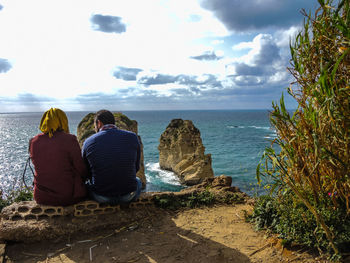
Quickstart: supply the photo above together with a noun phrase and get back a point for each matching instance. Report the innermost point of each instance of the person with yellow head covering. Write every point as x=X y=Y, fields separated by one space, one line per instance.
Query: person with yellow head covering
x=60 y=171
x=54 y=119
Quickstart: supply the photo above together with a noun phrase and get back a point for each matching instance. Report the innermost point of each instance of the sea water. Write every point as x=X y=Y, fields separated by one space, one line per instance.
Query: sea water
x=235 y=139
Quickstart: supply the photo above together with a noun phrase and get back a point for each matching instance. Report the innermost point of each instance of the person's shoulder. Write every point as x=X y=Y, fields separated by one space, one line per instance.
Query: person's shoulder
x=61 y=135
x=91 y=138
x=130 y=136
x=37 y=137
x=68 y=135
x=127 y=133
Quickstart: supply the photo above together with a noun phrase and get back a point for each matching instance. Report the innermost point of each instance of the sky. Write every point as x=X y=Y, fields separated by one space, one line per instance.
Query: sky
x=146 y=54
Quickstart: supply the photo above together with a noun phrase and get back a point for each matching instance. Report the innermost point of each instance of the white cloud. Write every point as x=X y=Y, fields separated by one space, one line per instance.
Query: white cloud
x=283 y=37
x=54 y=52
x=260 y=50
x=243 y=45
x=217 y=42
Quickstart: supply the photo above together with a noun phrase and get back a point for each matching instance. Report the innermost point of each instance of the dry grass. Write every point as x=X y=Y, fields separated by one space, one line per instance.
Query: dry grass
x=314 y=142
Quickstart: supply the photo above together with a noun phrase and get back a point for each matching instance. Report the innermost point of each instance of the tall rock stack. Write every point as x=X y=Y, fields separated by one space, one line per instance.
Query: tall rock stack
x=86 y=129
x=181 y=151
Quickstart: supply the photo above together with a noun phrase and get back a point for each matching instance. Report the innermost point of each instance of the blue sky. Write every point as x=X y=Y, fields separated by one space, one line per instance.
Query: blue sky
x=146 y=55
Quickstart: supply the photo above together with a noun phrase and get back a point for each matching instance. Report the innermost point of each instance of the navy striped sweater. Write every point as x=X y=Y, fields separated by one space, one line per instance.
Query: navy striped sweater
x=113 y=158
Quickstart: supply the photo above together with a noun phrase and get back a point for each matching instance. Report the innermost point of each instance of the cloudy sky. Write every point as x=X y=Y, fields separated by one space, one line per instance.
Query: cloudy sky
x=145 y=54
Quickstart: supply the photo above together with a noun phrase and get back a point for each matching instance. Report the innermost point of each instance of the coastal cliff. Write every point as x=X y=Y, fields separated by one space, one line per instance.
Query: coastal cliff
x=181 y=150
x=86 y=129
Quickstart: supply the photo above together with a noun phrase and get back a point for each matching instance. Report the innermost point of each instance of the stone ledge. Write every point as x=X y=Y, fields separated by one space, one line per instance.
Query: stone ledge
x=29 y=221
x=88 y=208
x=30 y=210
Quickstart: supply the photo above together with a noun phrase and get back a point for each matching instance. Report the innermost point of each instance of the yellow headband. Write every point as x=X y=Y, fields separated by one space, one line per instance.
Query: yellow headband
x=52 y=120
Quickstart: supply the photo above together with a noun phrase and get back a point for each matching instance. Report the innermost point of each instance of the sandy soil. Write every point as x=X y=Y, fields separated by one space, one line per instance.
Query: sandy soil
x=207 y=234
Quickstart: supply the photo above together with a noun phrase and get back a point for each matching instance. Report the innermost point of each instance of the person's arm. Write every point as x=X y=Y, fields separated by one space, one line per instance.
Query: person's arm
x=86 y=162
x=138 y=158
x=30 y=145
x=77 y=160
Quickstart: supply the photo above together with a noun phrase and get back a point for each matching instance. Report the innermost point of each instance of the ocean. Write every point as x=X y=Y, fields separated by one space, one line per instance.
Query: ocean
x=235 y=139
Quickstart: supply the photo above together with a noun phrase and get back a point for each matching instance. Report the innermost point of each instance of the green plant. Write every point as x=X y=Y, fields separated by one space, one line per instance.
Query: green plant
x=174 y=202
x=21 y=194
x=265 y=214
x=202 y=198
x=86 y=135
x=313 y=160
x=229 y=198
x=292 y=220
x=120 y=116
x=87 y=121
x=3 y=203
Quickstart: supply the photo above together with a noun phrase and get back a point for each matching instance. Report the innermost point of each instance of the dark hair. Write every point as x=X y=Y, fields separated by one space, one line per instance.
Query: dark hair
x=105 y=116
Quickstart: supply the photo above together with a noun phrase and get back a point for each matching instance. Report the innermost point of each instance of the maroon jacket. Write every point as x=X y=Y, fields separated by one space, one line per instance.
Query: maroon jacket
x=59 y=169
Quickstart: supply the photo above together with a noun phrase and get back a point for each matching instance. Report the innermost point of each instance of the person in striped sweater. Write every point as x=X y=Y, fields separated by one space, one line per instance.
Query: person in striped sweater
x=113 y=158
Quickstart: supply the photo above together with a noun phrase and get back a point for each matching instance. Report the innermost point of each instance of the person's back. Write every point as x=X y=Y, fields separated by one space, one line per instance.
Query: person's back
x=113 y=157
x=59 y=167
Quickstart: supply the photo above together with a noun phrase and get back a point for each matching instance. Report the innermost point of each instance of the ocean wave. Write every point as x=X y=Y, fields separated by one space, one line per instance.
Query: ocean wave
x=272 y=135
x=162 y=175
x=260 y=127
x=254 y=127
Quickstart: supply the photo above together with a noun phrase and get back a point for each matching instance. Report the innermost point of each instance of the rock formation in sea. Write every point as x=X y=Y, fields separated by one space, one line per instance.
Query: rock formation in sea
x=86 y=129
x=181 y=150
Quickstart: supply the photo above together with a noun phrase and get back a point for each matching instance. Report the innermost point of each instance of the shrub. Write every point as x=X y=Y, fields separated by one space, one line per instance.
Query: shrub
x=265 y=214
x=293 y=221
x=3 y=203
x=196 y=199
x=314 y=157
x=21 y=194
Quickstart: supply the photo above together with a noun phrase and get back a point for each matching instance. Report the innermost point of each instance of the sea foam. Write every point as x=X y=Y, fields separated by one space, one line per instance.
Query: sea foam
x=167 y=177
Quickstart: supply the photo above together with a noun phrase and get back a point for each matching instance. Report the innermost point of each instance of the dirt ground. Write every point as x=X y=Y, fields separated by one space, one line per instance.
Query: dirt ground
x=207 y=234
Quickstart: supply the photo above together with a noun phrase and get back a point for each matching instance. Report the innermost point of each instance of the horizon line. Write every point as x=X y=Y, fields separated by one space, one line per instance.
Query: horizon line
x=264 y=109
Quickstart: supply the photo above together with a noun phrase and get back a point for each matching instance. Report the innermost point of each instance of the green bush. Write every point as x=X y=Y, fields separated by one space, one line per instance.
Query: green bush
x=230 y=198
x=313 y=157
x=265 y=215
x=3 y=203
x=21 y=194
x=294 y=223
x=202 y=198
x=174 y=202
